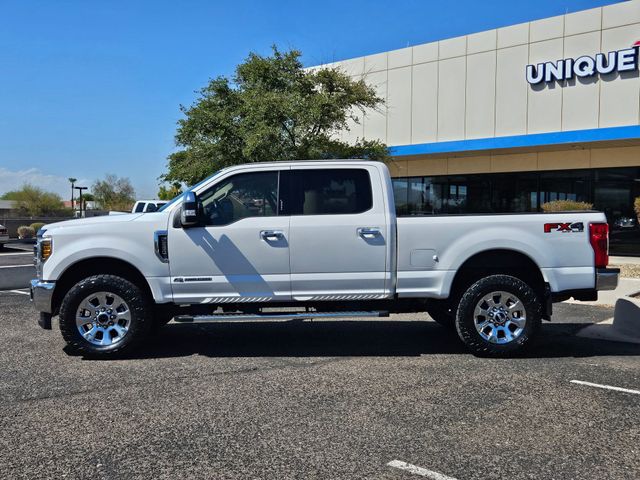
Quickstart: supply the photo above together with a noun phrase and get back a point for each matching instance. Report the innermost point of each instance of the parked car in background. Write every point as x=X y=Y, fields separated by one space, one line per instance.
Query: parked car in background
x=625 y=222
x=144 y=206
x=4 y=236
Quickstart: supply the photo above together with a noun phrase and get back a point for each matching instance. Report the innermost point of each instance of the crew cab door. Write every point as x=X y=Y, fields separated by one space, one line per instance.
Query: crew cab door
x=241 y=253
x=339 y=235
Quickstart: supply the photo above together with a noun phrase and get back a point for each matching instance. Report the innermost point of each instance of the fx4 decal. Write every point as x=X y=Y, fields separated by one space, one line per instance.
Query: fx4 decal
x=566 y=227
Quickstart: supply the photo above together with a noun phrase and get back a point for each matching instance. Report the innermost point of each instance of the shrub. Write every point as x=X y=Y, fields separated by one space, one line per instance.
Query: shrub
x=636 y=207
x=37 y=226
x=25 y=231
x=565 y=206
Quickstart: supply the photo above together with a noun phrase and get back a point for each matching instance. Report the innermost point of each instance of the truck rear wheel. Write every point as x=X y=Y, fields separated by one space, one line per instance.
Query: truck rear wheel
x=104 y=316
x=498 y=316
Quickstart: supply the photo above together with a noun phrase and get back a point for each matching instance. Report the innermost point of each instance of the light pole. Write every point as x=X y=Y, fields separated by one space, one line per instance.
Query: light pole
x=73 y=181
x=80 y=189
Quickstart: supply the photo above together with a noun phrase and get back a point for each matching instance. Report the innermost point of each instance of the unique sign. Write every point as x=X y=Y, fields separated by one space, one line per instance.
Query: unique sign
x=583 y=67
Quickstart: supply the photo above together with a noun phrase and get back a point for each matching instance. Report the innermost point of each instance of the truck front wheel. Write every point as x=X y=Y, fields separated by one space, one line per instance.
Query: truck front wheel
x=104 y=315
x=498 y=315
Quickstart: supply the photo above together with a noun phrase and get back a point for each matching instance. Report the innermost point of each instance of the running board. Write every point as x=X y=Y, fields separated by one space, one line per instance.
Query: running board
x=241 y=317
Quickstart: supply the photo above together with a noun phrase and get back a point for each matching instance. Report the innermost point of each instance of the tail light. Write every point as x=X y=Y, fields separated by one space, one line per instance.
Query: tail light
x=599 y=239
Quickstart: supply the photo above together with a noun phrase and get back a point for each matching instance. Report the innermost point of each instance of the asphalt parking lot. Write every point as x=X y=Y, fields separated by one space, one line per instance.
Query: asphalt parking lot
x=321 y=399
x=16 y=266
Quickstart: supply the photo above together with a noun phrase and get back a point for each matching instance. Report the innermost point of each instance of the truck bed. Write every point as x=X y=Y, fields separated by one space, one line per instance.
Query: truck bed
x=432 y=248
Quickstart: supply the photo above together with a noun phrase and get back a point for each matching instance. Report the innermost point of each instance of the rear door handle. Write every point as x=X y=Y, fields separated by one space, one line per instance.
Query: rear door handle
x=368 y=232
x=272 y=235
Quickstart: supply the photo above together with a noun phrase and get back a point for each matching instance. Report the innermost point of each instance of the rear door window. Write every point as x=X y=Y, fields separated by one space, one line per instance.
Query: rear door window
x=339 y=191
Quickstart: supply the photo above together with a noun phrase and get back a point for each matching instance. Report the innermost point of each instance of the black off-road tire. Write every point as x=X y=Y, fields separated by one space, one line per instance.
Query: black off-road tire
x=442 y=313
x=465 y=316
x=139 y=304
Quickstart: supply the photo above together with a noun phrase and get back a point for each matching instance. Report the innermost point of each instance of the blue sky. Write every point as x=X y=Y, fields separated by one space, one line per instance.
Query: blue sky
x=94 y=87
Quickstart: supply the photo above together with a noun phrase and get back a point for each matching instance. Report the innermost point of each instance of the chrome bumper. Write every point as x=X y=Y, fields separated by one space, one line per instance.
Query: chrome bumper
x=607 y=278
x=42 y=295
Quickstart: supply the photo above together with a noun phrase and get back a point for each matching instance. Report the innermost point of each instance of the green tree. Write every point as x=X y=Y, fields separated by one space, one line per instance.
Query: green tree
x=114 y=193
x=34 y=201
x=272 y=109
x=169 y=192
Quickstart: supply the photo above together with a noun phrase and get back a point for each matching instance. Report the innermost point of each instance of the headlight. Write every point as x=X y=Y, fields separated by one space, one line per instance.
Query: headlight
x=46 y=248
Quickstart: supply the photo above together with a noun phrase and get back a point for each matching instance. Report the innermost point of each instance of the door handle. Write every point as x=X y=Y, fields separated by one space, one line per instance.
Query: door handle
x=272 y=235
x=368 y=232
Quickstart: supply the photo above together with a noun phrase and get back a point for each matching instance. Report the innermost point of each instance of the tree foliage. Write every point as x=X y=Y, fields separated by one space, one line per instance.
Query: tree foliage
x=34 y=201
x=169 y=192
x=114 y=193
x=272 y=109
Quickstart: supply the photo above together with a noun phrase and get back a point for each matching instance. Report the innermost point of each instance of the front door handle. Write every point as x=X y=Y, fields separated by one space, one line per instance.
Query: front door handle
x=272 y=235
x=368 y=232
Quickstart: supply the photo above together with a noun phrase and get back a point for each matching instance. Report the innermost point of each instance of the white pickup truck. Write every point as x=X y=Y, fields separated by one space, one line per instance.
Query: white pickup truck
x=312 y=239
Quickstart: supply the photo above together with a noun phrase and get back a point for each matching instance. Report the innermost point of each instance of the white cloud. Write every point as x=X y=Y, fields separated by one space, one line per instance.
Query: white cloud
x=14 y=179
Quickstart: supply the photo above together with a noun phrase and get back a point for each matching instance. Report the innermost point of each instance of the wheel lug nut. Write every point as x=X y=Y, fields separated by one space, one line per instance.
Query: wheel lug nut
x=112 y=317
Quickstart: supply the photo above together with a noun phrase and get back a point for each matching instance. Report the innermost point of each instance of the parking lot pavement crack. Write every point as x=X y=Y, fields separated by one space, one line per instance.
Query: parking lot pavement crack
x=282 y=364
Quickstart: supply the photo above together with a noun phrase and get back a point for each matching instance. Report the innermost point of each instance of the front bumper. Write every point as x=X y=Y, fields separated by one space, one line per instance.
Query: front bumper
x=607 y=278
x=42 y=295
x=4 y=239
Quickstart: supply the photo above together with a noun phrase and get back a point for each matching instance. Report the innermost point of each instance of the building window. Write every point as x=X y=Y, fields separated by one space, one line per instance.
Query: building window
x=611 y=190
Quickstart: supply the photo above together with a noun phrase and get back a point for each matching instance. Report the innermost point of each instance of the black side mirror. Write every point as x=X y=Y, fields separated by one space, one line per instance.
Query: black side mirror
x=189 y=214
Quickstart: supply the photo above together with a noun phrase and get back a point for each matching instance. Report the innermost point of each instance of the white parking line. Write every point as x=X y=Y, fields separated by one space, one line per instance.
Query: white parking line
x=22 y=291
x=16 y=266
x=607 y=387
x=11 y=254
x=407 y=467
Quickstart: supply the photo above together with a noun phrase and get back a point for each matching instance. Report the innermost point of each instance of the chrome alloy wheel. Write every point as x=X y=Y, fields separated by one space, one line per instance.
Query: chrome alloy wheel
x=103 y=318
x=500 y=317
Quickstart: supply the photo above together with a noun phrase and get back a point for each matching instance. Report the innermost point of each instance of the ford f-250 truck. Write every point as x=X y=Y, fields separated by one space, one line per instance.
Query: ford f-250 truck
x=312 y=239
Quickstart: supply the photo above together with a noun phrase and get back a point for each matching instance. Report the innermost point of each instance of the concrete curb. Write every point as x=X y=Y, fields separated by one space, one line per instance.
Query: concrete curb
x=625 y=326
x=626 y=317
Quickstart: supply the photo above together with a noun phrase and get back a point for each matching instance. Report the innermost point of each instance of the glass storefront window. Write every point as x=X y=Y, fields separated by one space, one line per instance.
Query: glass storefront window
x=614 y=192
x=565 y=185
x=611 y=190
x=400 y=196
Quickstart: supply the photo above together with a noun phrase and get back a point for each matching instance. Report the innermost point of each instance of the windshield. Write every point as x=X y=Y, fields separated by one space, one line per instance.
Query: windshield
x=179 y=197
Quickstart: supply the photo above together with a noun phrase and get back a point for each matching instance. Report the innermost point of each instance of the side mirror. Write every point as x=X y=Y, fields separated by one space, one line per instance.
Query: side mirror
x=189 y=213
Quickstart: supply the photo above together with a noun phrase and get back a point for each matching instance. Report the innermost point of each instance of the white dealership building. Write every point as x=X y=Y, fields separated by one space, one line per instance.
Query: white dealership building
x=507 y=119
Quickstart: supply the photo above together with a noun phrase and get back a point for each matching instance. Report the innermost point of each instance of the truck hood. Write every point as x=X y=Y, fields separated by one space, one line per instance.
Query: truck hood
x=80 y=222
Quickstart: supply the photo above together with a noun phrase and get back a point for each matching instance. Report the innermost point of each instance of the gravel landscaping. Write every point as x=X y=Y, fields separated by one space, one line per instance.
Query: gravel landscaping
x=628 y=270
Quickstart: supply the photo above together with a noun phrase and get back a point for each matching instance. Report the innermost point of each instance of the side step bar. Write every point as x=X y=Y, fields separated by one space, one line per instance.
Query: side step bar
x=242 y=317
